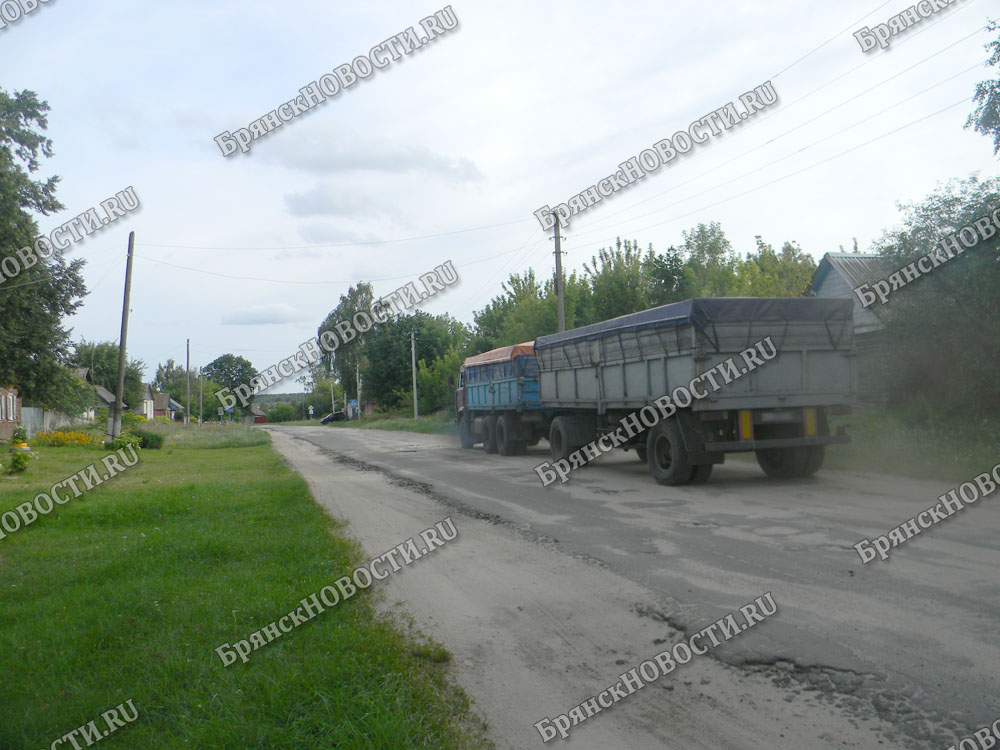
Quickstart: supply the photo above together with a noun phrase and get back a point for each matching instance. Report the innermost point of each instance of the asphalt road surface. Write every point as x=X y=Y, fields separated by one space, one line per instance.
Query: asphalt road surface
x=548 y=594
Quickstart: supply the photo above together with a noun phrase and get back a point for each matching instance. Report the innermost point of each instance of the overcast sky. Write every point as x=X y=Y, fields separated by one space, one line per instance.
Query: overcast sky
x=523 y=104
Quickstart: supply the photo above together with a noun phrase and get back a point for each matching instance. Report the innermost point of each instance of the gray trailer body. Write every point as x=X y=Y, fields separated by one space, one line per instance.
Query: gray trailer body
x=627 y=362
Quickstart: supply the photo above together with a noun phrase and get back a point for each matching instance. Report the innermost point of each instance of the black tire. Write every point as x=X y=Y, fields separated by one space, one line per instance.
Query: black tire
x=814 y=459
x=701 y=473
x=666 y=454
x=783 y=463
x=640 y=451
x=490 y=434
x=465 y=434
x=506 y=432
x=559 y=445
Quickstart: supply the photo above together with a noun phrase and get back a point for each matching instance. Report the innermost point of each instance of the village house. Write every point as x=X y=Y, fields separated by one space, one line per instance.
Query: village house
x=10 y=412
x=838 y=275
x=164 y=406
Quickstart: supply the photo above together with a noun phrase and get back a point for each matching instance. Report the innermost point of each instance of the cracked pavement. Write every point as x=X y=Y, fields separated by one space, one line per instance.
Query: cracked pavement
x=897 y=653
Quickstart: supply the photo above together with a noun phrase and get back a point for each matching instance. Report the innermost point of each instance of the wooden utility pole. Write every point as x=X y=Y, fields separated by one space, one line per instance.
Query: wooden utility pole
x=115 y=418
x=560 y=301
x=413 y=367
x=357 y=376
x=187 y=376
x=201 y=398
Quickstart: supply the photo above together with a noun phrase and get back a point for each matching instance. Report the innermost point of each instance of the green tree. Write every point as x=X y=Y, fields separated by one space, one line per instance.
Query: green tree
x=770 y=274
x=942 y=329
x=527 y=309
x=346 y=358
x=228 y=370
x=710 y=265
x=986 y=117
x=434 y=392
x=101 y=357
x=663 y=276
x=616 y=281
x=388 y=376
x=35 y=349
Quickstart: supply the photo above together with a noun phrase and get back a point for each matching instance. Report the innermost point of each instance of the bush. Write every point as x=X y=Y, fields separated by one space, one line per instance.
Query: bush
x=151 y=440
x=18 y=462
x=130 y=420
x=124 y=440
x=20 y=435
x=281 y=412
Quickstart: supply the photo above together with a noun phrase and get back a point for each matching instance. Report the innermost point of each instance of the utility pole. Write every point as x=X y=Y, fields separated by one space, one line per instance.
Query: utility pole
x=413 y=367
x=560 y=301
x=201 y=398
x=357 y=375
x=187 y=376
x=115 y=418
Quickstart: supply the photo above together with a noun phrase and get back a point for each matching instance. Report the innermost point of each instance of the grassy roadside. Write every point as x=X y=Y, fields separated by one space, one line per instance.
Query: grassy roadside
x=125 y=592
x=435 y=424
x=891 y=442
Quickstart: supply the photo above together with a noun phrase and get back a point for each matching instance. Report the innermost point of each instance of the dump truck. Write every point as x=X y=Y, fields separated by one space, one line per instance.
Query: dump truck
x=579 y=383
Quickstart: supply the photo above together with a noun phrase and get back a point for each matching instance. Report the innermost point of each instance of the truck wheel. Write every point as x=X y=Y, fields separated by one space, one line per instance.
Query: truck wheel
x=640 y=451
x=465 y=435
x=814 y=459
x=559 y=440
x=506 y=431
x=490 y=434
x=701 y=473
x=667 y=457
x=782 y=463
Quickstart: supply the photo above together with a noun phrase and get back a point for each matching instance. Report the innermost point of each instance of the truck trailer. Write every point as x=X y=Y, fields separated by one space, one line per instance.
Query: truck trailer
x=574 y=386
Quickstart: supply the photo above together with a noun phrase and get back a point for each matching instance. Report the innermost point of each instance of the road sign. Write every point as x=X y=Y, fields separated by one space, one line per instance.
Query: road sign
x=310 y=411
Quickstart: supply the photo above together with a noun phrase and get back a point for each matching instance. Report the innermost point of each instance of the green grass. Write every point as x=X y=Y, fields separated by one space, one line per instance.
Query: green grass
x=915 y=444
x=126 y=592
x=433 y=424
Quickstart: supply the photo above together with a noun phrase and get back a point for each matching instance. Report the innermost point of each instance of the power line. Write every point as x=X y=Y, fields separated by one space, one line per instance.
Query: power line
x=342 y=244
x=964 y=100
x=607 y=216
x=796 y=152
x=293 y=281
x=817 y=49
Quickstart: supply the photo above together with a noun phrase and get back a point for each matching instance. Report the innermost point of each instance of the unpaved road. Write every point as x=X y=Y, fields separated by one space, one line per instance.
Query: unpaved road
x=549 y=594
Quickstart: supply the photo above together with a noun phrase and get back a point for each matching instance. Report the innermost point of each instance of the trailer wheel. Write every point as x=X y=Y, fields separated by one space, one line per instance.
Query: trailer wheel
x=783 y=463
x=465 y=434
x=701 y=473
x=490 y=434
x=667 y=457
x=506 y=437
x=814 y=459
x=559 y=440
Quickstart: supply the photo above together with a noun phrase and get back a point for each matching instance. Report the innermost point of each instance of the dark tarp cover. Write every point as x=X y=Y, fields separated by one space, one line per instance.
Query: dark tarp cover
x=702 y=312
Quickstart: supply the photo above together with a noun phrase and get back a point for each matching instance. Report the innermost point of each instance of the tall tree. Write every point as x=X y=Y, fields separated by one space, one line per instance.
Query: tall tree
x=986 y=117
x=710 y=265
x=663 y=276
x=615 y=278
x=228 y=371
x=36 y=348
x=770 y=274
x=388 y=374
x=943 y=328
x=348 y=356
